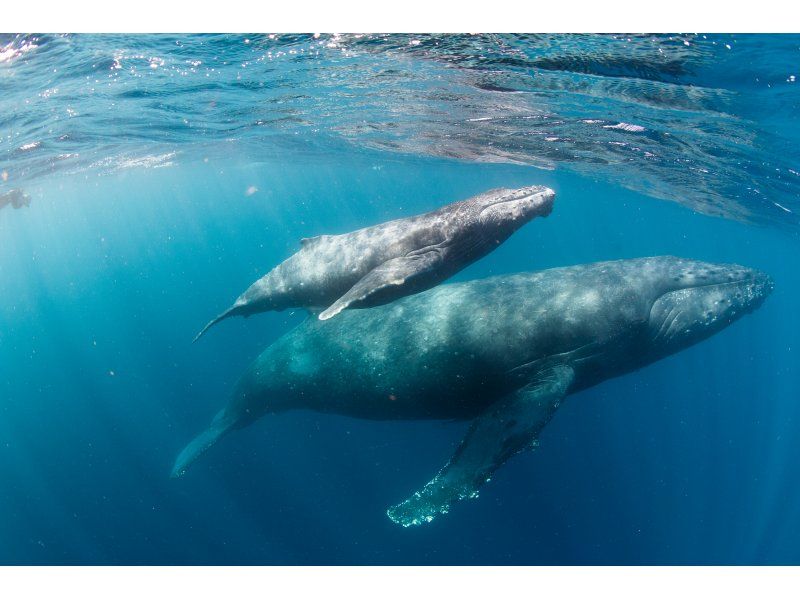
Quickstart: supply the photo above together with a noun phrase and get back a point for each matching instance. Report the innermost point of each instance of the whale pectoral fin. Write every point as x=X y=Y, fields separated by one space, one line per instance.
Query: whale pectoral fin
x=508 y=427
x=394 y=272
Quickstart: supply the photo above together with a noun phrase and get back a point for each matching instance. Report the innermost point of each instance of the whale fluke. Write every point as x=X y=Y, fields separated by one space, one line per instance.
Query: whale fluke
x=201 y=444
x=226 y=314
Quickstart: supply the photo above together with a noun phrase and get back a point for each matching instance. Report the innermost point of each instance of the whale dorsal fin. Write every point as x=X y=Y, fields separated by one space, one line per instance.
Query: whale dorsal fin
x=506 y=428
x=308 y=241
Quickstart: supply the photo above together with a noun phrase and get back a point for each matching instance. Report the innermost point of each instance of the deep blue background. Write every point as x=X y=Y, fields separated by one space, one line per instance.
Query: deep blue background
x=106 y=280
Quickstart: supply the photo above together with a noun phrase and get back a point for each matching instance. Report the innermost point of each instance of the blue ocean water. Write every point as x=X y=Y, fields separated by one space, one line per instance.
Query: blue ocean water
x=163 y=174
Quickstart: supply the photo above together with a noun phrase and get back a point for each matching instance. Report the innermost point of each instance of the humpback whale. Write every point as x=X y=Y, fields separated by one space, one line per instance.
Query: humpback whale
x=381 y=263
x=502 y=352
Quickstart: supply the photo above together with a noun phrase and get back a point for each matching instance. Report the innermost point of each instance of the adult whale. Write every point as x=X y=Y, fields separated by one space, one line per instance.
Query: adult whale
x=381 y=263
x=501 y=351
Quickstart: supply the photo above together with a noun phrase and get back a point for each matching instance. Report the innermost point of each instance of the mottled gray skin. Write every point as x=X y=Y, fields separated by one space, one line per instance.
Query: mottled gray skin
x=502 y=351
x=376 y=265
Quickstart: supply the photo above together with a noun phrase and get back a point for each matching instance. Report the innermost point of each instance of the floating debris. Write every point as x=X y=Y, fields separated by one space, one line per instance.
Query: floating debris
x=16 y=198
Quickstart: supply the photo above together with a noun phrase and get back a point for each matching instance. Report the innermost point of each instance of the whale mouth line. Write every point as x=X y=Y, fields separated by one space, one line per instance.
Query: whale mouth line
x=536 y=200
x=755 y=279
x=752 y=281
x=710 y=285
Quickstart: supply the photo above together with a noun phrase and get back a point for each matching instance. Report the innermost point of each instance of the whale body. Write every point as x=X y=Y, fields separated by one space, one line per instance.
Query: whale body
x=381 y=263
x=502 y=352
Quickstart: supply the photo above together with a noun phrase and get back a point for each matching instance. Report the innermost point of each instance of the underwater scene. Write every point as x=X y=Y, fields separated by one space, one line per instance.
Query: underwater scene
x=366 y=299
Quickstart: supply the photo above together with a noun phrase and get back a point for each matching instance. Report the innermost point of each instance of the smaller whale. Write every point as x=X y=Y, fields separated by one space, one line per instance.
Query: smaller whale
x=376 y=265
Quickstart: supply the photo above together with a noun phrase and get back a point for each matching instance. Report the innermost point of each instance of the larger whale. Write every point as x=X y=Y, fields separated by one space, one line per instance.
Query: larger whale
x=381 y=263
x=502 y=352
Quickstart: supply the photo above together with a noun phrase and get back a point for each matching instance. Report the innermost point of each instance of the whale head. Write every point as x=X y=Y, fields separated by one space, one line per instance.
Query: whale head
x=515 y=207
x=693 y=300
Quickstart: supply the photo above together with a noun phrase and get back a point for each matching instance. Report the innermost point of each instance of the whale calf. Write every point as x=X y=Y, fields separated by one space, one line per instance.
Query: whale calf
x=502 y=352
x=381 y=263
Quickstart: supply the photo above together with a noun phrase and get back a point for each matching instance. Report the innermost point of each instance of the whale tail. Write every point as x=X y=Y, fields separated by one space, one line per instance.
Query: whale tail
x=204 y=441
x=224 y=315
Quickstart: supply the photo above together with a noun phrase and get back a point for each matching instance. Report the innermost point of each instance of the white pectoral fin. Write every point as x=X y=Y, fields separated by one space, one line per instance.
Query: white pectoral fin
x=508 y=427
x=394 y=272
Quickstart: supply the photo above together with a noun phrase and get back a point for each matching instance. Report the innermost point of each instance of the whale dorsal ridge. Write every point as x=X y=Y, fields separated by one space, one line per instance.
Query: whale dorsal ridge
x=308 y=241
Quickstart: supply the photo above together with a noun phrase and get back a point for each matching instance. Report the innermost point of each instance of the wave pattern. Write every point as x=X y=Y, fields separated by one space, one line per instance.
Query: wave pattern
x=706 y=121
